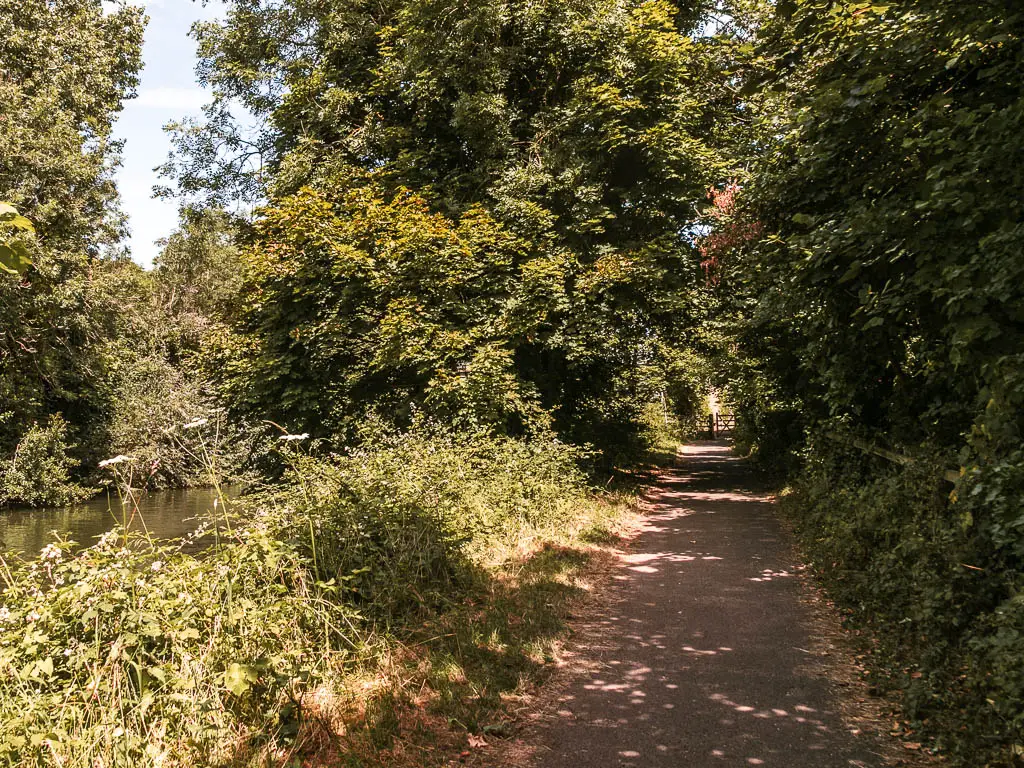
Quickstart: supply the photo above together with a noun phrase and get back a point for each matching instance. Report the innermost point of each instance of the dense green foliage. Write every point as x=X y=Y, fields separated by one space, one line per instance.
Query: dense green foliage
x=891 y=191
x=55 y=168
x=480 y=212
x=40 y=471
x=880 y=296
x=85 y=371
x=496 y=216
x=942 y=600
x=14 y=248
x=197 y=279
x=96 y=355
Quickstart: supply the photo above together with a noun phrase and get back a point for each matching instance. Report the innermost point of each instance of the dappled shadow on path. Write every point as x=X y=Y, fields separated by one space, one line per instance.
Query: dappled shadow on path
x=700 y=660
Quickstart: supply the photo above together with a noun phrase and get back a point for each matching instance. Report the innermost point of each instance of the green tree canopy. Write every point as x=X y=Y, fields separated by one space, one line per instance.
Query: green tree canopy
x=66 y=67
x=565 y=145
x=894 y=263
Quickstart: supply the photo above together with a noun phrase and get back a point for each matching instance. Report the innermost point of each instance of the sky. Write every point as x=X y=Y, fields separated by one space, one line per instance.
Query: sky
x=168 y=92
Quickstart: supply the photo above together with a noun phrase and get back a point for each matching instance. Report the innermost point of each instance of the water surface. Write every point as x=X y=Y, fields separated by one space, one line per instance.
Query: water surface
x=164 y=514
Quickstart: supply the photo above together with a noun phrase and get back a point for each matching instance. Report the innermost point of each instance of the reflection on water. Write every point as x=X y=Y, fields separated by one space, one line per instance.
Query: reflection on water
x=165 y=514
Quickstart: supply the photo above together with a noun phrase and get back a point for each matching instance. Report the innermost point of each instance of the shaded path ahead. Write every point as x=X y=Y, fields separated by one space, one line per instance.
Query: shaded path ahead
x=702 y=662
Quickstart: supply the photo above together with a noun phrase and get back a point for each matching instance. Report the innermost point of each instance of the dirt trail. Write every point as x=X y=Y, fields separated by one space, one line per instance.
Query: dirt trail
x=703 y=659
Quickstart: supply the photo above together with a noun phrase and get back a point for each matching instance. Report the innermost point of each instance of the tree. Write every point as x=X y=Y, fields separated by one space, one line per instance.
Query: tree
x=884 y=299
x=894 y=258
x=578 y=132
x=14 y=251
x=67 y=66
x=197 y=278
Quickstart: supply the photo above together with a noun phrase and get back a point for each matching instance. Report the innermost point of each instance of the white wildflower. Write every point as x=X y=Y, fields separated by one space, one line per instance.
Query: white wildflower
x=51 y=552
x=289 y=438
x=107 y=539
x=5 y=614
x=34 y=616
x=157 y=565
x=120 y=459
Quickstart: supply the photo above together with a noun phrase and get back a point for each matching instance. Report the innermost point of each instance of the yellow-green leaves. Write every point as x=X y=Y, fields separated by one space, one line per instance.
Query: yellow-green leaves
x=239 y=678
x=15 y=231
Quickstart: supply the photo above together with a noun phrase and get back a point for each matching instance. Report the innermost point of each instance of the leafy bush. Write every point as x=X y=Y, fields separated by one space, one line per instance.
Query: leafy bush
x=150 y=401
x=165 y=420
x=129 y=654
x=39 y=472
x=937 y=576
x=396 y=519
x=136 y=653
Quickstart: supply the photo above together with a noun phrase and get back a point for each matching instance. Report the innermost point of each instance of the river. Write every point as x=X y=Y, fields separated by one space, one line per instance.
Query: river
x=165 y=514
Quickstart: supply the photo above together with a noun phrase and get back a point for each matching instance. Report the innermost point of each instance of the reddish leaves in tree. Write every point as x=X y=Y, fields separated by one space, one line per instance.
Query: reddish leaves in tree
x=728 y=230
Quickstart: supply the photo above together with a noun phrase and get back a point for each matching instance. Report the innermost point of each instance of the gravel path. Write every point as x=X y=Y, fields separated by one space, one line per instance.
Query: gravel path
x=703 y=661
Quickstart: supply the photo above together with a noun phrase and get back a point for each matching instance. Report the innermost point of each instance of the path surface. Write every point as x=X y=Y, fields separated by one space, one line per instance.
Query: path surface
x=703 y=662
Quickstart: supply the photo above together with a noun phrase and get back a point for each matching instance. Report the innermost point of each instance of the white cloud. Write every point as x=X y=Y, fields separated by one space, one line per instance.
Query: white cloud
x=173 y=98
x=150 y=220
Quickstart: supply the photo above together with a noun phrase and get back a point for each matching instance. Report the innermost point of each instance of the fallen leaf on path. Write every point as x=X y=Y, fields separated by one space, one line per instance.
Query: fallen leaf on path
x=477 y=741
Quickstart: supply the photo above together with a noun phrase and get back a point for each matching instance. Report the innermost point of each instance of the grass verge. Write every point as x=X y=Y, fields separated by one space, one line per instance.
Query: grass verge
x=432 y=694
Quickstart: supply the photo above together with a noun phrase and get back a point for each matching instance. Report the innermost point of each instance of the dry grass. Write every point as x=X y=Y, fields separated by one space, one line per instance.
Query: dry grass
x=457 y=687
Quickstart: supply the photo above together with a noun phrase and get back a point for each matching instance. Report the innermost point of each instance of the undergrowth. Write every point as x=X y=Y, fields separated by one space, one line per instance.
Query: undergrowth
x=935 y=574
x=380 y=603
